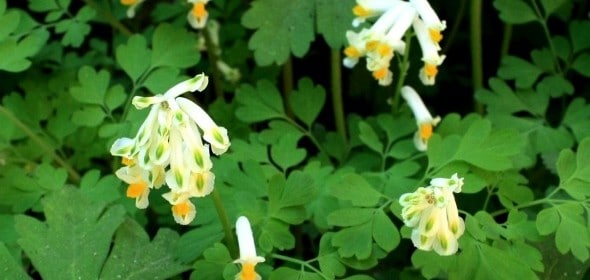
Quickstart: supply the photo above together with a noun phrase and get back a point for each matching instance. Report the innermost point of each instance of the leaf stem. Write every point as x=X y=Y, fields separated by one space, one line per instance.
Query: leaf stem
x=106 y=15
x=403 y=73
x=74 y=176
x=456 y=25
x=336 y=84
x=224 y=219
x=543 y=22
x=506 y=37
x=476 y=50
x=213 y=53
x=288 y=84
x=300 y=262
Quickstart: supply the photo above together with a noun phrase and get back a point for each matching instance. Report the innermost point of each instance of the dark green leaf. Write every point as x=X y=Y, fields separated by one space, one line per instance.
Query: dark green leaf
x=174 y=46
x=307 y=101
x=258 y=104
x=333 y=19
x=356 y=189
x=514 y=68
x=515 y=11
x=134 y=57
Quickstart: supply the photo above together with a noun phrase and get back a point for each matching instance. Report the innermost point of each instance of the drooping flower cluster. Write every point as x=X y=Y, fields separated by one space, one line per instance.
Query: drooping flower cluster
x=424 y=119
x=383 y=39
x=432 y=213
x=248 y=258
x=168 y=149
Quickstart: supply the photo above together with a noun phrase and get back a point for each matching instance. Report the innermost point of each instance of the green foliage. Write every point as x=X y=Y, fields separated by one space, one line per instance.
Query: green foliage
x=321 y=190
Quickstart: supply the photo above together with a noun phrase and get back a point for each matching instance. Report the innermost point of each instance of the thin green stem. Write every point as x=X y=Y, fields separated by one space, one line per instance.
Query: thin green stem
x=336 y=84
x=213 y=53
x=300 y=262
x=520 y=206
x=288 y=84
x=227 y=228
x=73 y=175
x=476 y=49
x=403 y=73
x=487 y=200
x=456 y=25
x=306 y=133
x=506 y=37
x=543 y=22
x=109 y=17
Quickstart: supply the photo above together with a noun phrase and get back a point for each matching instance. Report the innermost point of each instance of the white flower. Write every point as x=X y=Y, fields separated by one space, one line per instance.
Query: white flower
x=132 y=5
x=248 y=258
x=454 y=183
x=197 y=16
x=229 y=73
x=370 y=8
x=168 y=148
x=430 y=55
x=434 y=25
x=424 y=119
x=432 y=213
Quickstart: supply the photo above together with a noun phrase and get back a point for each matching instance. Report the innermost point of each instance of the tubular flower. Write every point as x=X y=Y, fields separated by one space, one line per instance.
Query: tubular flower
x=169 y=148
x=197 y=16
x=132 y=5
x=432 y=213
x=383 y=39
x=424 y=119
x=248 y=258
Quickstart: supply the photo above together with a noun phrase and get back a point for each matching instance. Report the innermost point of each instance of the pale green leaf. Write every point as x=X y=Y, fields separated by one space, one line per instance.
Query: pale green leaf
x=370 y=137
x=385 y=233
x=282 y=27
x=514 y=68
x=93 y=86
x=10 y=268
x=354 y=241
x=307 y=101
x=89 y=116
x=174 y=46
x=259 y=103
x=285 y=153
x=134 y=57
x=356 y=189
x=555 y=86
x=547 y=221
x=346 y=217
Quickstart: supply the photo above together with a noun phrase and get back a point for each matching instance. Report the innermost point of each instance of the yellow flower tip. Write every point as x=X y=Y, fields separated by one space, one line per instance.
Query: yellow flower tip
x=351 y=51
x=435 y=35
x=384 y=50
x=380 y=74
x=360 y=11
x=199 y=10
x=430 y=70
x=372 y=45
x=248 y=272
x=127 y=161
x=136 y=189
x=425 y=131
x=181 y=209
x=129 y=2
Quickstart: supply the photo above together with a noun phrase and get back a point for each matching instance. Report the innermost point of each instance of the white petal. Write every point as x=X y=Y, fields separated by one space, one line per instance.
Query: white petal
x=197 y=83
x=415 y=103
x=122 y=147
x=246 y=241
x=215 y=135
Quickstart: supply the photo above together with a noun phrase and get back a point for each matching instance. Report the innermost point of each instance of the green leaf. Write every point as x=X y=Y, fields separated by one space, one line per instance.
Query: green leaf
x=333 y=20
x=346 y=217
x=174 y=46
x=580 y=39
x=577 y=118
x=501 y=99
x=307 y=101
x=258 y=104
x=15 y=55
x=43 y=5
x=385 y=233
x=49 y=177
x=93 y=86
x=572 y=233
x=100 y=189
x=563 y=49
x=555 y=86
x=216 y=259
x=356 y=189
x=115 y=97
x=88 y=116
x=328 y=258
x=75 y=238
x=135 y=257
x=161 y=79
x=8 y=23
x=582 y=64
x=479 y=260
x=290 y=273
x=288 y=198
x=10 y=268
x=489 y=149
x=547 y=221
x=369 y=137
x=74 y=32
x=194 y=242
x=275 y=234
x=285 y=153
x=354 y=241
x=283 y=27
x=441 y=151
x=550 y=6
x=515 y=11
x=514 y=68
x=134 y=57
x=430 y=264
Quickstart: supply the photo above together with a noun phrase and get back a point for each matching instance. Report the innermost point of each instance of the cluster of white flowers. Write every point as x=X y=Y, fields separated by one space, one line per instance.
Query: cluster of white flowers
x=168 y=149
x=432 y=213
x=379 y=42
